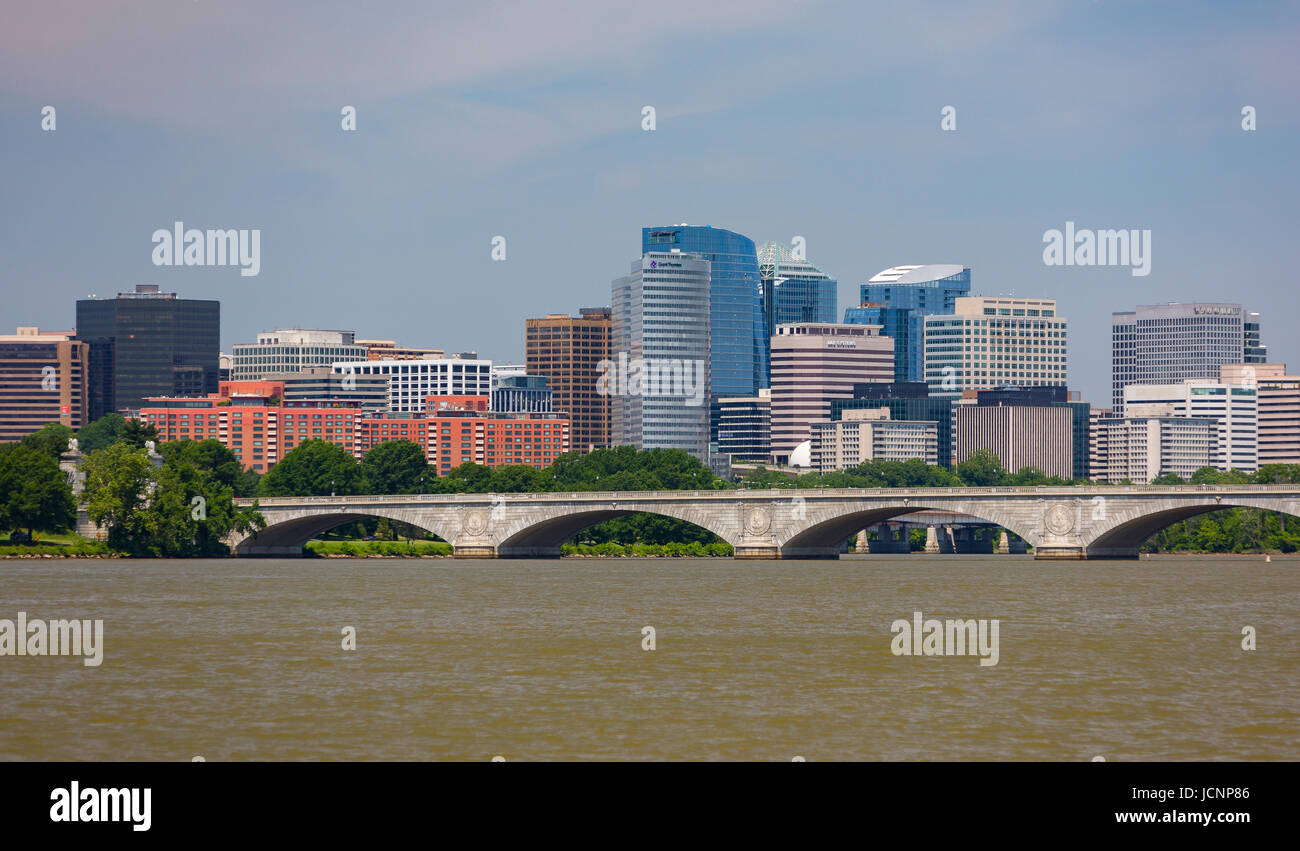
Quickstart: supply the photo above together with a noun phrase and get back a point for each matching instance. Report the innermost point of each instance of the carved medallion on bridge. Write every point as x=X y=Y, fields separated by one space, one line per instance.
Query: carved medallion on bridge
x=1059 y=519
x=476 y=522
x=758 y=521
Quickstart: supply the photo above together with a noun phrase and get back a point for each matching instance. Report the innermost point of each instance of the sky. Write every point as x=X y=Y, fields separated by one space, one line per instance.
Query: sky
x=525 y=121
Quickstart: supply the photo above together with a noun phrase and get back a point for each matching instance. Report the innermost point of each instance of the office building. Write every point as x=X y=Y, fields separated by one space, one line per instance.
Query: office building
x=148 y=343
x=899 y=298
x=292 y=350
x=745 y=426
x=1019 y=435
x=865 y=435
x=1170 y=343
x=1048 y=396
x=1139 y=449
x=814 y=363
x=1098 y=447
x=908 y=401
x=1234 y=407
x=516 y=393
x=569 y=351
x=42 y=380
x=794 y=290
x=990 y=342
x=1279 y=409
x=411 y=381
x=737 y=328
x=658 y=379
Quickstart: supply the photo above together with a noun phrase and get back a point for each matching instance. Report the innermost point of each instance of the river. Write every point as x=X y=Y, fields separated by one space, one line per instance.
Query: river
x=242 y=659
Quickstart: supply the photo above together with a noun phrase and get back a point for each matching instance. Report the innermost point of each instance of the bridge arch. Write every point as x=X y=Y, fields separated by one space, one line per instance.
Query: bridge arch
x=286 y=533
x=1128 y=530
x=542 y=536
x=827 y=528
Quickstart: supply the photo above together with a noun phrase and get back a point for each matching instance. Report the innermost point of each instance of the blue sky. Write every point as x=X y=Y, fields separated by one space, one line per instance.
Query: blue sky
x=524 y=120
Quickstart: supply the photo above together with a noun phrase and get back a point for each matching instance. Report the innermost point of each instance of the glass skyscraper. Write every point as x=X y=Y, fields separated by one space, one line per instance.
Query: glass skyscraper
x=660 y=326
x=794 y=290
x=148 y=343
x=737 y=329
x=900 y=298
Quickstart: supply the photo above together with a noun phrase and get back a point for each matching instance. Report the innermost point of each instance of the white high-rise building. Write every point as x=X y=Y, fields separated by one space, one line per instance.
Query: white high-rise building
x=1169 y=343
x=409 y=381
x=658 y=373
x=989 y=342
x=292 y=350
x=1233 y=406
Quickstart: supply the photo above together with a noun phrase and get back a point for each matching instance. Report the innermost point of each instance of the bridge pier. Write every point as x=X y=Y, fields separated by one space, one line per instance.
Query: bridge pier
x=971 y=539
x=1059 y=552
x=891 y=538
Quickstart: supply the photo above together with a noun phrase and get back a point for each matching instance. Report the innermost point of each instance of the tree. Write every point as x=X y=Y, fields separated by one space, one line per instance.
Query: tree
x=314 y=468
x=520 y=478
x=209 y=456
x=190 y=512
x=52 y=439
x=178 y=509
x=118 y=482
x=100 y=434
x=982 y=469
x=34 y=492
x=395 y=467
x=136 y=432
x=469 y=478
x=1168 y=479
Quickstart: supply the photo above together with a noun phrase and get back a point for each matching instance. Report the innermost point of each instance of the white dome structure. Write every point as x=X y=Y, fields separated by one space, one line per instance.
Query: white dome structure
x=801 y=455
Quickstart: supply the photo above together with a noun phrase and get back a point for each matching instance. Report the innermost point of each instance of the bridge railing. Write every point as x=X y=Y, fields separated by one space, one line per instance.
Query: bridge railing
x=787 y=493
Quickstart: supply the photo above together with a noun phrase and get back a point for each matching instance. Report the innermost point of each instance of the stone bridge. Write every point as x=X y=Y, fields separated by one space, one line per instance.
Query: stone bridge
x=1058 y=522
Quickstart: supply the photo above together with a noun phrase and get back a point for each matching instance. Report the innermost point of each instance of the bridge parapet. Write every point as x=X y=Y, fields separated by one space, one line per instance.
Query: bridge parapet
x=1058 y=522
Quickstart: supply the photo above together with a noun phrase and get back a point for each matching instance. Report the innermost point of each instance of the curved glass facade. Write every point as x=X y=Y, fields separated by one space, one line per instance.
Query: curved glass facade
x=737 y=330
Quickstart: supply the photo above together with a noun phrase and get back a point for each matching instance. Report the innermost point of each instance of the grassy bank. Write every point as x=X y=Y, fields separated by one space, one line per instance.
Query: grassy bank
x=394 y=549
x=675 y=550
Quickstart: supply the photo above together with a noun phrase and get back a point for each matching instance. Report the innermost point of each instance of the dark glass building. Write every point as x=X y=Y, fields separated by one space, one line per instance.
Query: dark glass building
x=148 y=343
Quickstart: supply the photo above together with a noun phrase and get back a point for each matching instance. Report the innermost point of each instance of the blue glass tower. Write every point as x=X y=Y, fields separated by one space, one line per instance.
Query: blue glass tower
x=900 y=298
x=737 y=349
x=794 y=290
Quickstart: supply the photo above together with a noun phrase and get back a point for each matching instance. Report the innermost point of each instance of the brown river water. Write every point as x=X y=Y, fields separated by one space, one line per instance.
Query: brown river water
x=542 y=660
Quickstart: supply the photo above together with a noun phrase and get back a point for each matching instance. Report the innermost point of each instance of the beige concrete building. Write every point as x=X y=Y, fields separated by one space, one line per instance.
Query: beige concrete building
x=1019 y=435
x=1141 y=448
x=1278 y=408
x=814 y=363
x=868 y=434
x=42 y=380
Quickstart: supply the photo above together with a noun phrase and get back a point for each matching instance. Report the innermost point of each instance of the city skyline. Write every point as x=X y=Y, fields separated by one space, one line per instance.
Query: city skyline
x=542 y=139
